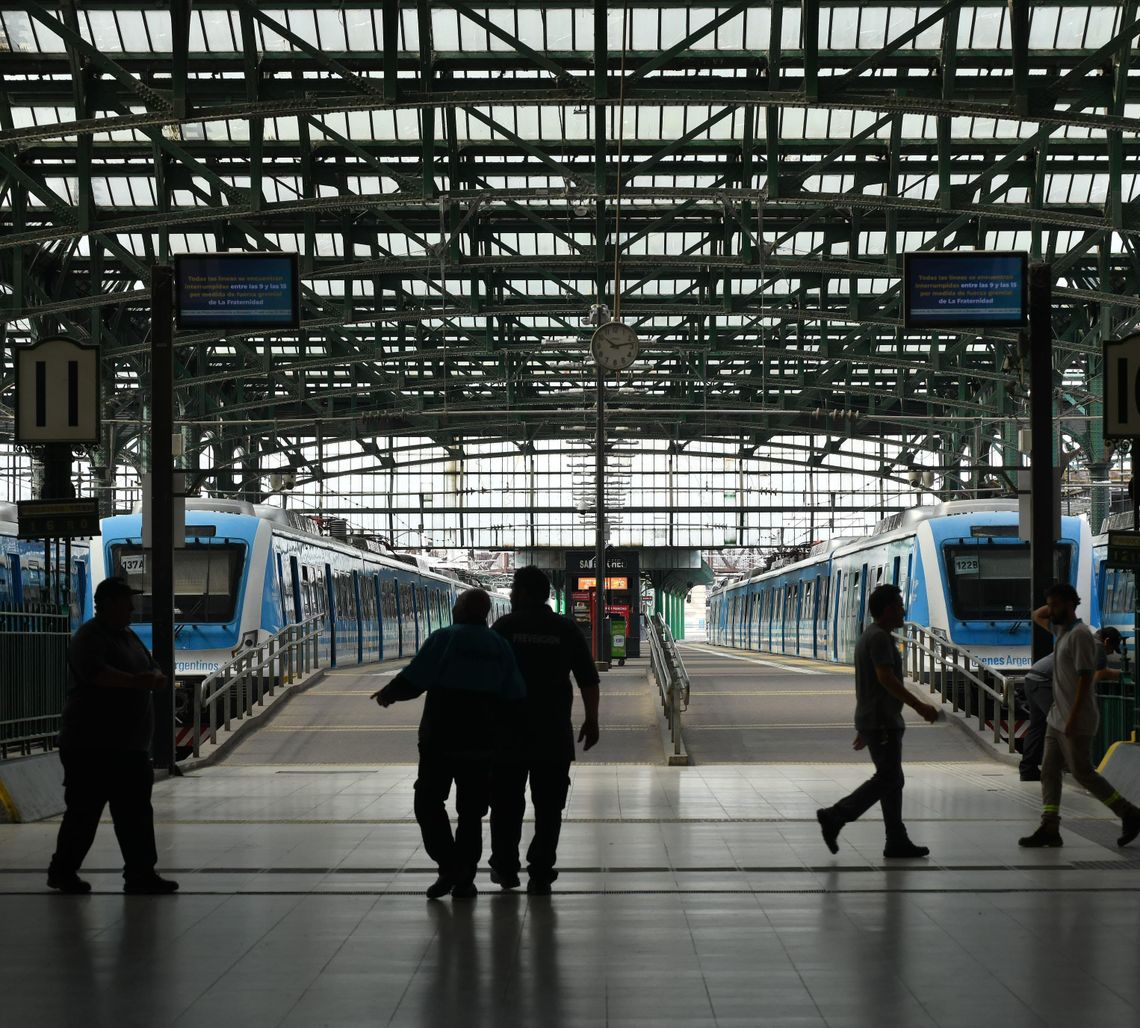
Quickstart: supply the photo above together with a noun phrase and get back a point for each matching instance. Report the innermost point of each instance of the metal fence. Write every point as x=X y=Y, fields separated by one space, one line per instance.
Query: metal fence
x=230 y=693
x=963 y=681
x=33 y=677
x=671 y=676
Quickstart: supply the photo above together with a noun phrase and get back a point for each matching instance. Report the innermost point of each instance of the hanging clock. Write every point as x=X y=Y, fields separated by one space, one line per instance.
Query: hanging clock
x=614 y=346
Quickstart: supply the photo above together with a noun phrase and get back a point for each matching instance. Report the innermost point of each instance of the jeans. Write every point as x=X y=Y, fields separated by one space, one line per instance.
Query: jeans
x=92 y=779
x=456 y=855
x=1039 y=696
x=549 y=787
x=884 y=787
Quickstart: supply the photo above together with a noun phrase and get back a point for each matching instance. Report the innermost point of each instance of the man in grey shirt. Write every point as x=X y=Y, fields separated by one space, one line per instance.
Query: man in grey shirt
x=1072 y=722
x=880 y=696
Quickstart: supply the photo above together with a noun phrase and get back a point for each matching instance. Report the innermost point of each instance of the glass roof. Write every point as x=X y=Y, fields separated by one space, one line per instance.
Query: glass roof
x=739 y=182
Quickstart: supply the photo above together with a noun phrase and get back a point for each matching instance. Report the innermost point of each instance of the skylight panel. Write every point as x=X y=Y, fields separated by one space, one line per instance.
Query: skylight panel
x=330 y=27
x=1043 y=26
x=1102 y=26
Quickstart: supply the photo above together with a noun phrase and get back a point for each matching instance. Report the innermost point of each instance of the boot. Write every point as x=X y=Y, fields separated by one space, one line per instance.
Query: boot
x=1047 y=836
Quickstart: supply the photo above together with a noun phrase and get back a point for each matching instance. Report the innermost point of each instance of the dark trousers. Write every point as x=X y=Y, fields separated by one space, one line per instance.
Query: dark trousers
x=884 y=787
x=457 y=855
x=1039 y=697
x=549 y=787
x=93 y=780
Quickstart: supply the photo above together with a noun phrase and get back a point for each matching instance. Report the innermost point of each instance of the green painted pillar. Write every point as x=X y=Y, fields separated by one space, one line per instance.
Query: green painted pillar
x=681 y=617
x=658 y=607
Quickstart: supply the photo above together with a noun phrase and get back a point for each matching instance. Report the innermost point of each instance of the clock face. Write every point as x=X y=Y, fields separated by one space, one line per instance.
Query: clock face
x=614 y=346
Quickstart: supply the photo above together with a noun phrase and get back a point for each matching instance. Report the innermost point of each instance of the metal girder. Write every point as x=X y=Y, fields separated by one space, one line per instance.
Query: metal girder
x=450 y=302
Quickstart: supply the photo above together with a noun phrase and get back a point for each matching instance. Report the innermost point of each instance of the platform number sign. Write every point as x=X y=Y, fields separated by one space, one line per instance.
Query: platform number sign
x=57 y=392
x=1122 y=388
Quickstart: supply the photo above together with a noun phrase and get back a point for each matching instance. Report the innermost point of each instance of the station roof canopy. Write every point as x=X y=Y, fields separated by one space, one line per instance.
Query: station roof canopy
x=463 y=181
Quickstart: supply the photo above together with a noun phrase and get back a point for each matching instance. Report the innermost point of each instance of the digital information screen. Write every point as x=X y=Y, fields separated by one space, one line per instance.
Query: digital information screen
x=236 y=290
x=964 y=289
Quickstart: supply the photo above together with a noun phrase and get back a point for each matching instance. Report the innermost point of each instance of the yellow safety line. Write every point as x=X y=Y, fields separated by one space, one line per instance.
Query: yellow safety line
x=712 y=694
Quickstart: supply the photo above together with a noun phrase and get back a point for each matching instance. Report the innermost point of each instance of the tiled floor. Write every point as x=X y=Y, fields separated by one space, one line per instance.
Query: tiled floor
x=689 y=897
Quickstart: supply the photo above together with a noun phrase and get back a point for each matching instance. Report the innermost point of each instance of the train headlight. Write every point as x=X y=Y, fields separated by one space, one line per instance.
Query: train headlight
x=248 y=640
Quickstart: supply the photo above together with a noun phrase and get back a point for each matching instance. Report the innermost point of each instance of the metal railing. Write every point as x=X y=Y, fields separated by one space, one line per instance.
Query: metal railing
x=961 y=679
x=671 y=676
x=33 y=676
x=230 y=693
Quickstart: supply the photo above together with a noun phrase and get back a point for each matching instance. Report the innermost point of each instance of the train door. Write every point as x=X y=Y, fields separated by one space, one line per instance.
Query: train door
x=816 y=601
x=895 y=570
x=381 y=616
x=861 y=608
x=281 y=589
x=295 y=580
x=330 y=596
x=360 y=616
x=836 y=614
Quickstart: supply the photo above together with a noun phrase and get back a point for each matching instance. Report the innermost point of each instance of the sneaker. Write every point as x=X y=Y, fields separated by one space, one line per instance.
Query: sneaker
x=468 y=890
x=69 y=883
x=904 y=849
x=440 y=887
x=505 y=879
x=1043 y=838
x=153 y=885
x=1130 y=828
x=538 y=887
x=829 y=825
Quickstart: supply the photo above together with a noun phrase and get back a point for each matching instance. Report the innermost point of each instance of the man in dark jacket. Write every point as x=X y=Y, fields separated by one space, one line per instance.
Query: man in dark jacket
x=471 y=681
x=105 y=736
x=548 y=648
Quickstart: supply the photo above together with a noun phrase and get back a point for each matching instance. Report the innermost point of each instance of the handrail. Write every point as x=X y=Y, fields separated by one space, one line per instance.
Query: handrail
x=961 y=678
x=672 y=679
x=249 y=676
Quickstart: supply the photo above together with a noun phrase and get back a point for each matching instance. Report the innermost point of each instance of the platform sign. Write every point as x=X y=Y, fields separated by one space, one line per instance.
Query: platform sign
x=58 y=519
x=1122 y=388
x=237 y=291
x=57 y=392
x=1123 y=551
x=966 y=289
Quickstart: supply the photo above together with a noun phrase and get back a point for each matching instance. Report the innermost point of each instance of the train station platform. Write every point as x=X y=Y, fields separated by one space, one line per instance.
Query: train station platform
x=689 y=896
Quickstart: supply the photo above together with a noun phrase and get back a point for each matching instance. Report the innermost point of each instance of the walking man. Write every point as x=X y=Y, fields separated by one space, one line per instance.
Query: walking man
x=548 y=647
x=104 y=745
x=471 y=680
x=879 y=699
x=1072 y=722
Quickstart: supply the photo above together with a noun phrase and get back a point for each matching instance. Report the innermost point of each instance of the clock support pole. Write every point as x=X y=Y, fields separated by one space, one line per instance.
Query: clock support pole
x=601 y=656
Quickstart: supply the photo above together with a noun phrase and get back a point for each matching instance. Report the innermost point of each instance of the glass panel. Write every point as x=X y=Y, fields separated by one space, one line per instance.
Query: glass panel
x=992 y=582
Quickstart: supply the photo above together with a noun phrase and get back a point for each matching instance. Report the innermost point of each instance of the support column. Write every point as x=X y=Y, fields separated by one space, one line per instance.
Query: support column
x=1043 y=536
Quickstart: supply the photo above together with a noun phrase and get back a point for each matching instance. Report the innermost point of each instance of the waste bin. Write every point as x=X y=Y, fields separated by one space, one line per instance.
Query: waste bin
x=617 y=640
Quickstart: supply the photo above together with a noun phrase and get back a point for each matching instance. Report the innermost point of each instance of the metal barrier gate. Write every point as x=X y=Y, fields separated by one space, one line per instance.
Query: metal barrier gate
x=962 y=680
x=671 y=676
x=33 y=676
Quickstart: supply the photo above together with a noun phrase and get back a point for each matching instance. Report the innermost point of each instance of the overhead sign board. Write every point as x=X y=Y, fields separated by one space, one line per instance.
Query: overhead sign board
x=57 y=392
x=58 y=519
x=966 y=289
x=1123 y=550
x=237 y=291
x=1122 y=388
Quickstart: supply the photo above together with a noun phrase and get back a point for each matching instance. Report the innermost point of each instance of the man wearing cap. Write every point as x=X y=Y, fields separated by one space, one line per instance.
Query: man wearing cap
x=104 y=744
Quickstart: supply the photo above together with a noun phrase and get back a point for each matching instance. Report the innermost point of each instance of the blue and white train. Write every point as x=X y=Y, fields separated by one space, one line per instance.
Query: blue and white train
x=247 y=571
x=962 y=570
x=1115 y=587
x=23 y=581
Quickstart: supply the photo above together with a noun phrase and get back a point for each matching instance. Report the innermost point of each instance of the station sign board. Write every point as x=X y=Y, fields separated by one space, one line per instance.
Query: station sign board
x=966 y=289
x=237 y=291
x=1122 y=388
x=1123 y=551
x=57 y=392
x=58 y=519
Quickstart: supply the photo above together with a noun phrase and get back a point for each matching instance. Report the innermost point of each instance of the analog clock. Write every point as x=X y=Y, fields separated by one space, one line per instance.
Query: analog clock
x=614 y=346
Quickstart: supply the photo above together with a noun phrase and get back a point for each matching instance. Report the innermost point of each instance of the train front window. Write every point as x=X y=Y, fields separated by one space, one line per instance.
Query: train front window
x=207 y=579
x=992 y=582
